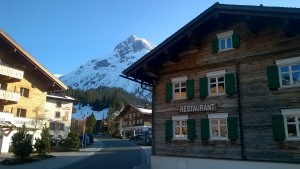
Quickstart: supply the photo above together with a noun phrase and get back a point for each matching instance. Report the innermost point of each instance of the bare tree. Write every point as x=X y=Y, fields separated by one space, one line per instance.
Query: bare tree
x=38 y=119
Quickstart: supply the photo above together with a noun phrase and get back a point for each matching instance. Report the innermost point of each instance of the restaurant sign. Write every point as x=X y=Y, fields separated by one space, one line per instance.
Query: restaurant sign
x=197 y=108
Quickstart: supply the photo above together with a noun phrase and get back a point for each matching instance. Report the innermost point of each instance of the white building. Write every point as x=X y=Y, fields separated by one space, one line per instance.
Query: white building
x=58 y=112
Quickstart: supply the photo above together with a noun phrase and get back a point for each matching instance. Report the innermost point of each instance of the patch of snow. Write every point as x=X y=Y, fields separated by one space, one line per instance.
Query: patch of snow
x=81 y=110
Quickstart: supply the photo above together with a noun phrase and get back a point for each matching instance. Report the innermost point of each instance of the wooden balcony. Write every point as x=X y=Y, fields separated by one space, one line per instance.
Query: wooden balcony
x=11 y=72
x=9 y=96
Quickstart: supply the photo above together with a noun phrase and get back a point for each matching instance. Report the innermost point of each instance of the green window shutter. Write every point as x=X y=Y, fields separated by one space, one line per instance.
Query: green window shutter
x=191 y=129
x=169 y=91
x=203 y=87
x=169 y=130
x=232 y=128
x=273 y=77
x=215 y=45
x=190 y=88
x=235 y=40
x=229 y=84
x=204 y=129
x=278 y=127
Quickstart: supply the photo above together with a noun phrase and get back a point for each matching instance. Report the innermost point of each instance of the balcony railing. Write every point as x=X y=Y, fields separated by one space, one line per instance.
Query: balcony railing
x=9 y=96
x=11 y=72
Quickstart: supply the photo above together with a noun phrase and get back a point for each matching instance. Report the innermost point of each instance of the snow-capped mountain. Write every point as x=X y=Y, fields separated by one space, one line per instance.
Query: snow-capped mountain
x=106 y=71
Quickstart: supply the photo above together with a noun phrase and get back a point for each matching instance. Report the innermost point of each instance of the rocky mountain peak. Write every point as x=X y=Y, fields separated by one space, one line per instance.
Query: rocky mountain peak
x=132 y=44
x=106 y=71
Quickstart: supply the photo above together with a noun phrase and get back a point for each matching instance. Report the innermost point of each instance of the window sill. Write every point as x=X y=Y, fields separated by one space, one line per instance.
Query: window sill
x=180 y=139
x=219 y=139
x=222 y=94
x=288 y=87
x=293 y=139
x=180 y=98
x=224 y=50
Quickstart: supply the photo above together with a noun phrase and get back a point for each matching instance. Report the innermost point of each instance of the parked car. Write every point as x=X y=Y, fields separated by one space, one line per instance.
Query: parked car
x=141 y=140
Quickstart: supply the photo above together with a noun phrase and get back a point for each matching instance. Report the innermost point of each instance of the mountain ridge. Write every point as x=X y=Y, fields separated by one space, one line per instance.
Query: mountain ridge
x=106 y=71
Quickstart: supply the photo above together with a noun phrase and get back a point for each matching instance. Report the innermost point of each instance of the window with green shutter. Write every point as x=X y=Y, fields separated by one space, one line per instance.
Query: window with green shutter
x=203 y=87
x=235 y=40
x=169 y=130
x=190 y=88
x=169 y=91
x=273 y=78
x=225 y=41
x=215 y=45
x=191 y=129
x=205 y=129
x=232 y=128
x=229 y=84
x=278 y=127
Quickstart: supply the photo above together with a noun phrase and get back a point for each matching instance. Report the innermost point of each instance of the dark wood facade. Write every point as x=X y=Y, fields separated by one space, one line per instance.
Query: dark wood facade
x=133 y=118
x=266 y=35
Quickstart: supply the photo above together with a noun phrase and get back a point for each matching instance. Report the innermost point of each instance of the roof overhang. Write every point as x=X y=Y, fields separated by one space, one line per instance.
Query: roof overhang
x=218 y=16
x=54 y=83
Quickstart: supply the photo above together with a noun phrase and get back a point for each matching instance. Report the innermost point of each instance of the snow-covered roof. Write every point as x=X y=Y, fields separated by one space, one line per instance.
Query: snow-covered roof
x=61 y=97
x=136 y=107
x=144 y=111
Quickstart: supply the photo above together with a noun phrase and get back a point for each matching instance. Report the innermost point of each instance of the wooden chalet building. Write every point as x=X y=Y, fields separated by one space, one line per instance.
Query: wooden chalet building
x=226 y=86
x=24 y=84
x=134 y=120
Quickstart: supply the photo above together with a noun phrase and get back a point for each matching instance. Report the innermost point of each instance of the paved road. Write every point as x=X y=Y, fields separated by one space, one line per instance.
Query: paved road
x=105 y=153
x=115 y=154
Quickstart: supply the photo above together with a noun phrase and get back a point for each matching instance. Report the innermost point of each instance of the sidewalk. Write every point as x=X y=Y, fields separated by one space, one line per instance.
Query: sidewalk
x=64 y=158
x=61 y=158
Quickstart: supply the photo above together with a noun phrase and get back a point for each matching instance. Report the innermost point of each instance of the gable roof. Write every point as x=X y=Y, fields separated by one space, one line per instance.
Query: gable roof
x=218 y=16
x=56 y=84
x=138 y=108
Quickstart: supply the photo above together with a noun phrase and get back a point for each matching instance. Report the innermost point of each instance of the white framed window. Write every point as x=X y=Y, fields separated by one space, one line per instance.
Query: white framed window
x=179 y=87
x=289 y=72
x=180 y=130
x=225 y=40
x=216 y=82
x=291 y=123
x=218 y=126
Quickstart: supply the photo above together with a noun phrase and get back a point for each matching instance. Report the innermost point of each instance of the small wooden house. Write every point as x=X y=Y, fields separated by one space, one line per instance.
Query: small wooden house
x=134 y=120
x=226 y=86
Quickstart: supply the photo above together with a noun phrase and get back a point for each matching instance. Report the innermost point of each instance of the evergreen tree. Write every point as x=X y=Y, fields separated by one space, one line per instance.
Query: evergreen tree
x=21 y=143
x=42 y=144
x=90 y=123
x=72 y=141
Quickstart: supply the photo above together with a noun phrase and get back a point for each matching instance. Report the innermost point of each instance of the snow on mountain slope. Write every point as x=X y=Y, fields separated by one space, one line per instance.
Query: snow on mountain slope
x=106 y=71
x=82 y=110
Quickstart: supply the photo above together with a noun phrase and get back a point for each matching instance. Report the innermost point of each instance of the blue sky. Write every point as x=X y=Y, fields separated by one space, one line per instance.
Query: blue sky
x=63 y=34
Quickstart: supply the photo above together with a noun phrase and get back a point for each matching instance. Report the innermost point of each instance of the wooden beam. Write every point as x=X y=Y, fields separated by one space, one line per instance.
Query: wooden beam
x=171 y=56
x=150 y=71
x=287 y=27
x=220 y=21
x=251 y=25
x=193 y=39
